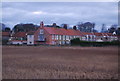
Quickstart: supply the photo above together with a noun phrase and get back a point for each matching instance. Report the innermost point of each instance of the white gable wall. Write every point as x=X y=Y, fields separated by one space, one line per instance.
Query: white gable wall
x=30 y=39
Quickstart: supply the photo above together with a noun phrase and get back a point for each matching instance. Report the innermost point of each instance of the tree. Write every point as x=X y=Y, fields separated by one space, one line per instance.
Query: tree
x=118 y=31
x=7 y=29
x=86 y=27
x=24 y=27
x=75 y=41
x=112 y=29
x=103 y=29
x=93 y=25
x=2 y=26
x=54 y=25
x=95 y=30
x=64 y=26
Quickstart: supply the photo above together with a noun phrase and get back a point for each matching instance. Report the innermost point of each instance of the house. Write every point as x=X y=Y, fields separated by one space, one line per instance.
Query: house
x=5 y=37
x=57 y=36
x=100 y=37
x=113 y=37
x=18 y=38
x=61 y=36
x=53 y=35
x=30 y=38
x=88 y=36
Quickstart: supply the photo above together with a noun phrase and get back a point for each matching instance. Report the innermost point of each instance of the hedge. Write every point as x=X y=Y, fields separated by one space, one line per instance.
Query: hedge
x=4 y=42
x=78 y=42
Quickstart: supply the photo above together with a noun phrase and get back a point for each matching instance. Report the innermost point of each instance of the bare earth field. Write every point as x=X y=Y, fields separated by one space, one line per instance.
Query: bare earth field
x=42 y=62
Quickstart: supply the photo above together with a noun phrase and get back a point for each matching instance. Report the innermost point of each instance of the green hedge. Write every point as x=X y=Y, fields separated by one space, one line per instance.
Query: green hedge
x=78 y=42
x=4 y=42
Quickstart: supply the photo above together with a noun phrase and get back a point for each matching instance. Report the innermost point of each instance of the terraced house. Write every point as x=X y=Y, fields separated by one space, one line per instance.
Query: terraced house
x=59 y=36
x=53 y=35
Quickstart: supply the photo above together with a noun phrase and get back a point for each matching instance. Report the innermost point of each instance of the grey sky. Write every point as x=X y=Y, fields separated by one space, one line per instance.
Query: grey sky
x=60 y=12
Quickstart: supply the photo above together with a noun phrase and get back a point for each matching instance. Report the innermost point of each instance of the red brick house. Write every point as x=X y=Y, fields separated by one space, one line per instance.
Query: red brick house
x=53 y=35
x=18 y=38
x=61 y=36
x=105 y=37
x=88 y=36
x=5 y=37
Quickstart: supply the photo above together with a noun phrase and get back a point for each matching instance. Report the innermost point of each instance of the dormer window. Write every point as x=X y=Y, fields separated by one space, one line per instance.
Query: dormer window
x=114 y=33
x=41 y=31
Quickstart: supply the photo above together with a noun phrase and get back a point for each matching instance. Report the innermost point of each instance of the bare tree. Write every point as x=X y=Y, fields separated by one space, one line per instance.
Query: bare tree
x=103 y=28
x=86 y=27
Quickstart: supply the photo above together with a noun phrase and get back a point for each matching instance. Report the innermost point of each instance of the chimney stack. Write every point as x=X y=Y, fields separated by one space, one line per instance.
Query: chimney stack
x=41 y=24
x=74 y=27
x=54 y=25
x=65 y=26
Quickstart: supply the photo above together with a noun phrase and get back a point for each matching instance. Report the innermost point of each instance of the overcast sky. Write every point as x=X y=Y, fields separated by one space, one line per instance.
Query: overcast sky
x=60 y=12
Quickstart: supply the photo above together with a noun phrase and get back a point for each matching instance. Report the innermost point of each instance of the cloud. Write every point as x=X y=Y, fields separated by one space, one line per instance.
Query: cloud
x=60 y=1
x=52 y=14
x=39 y=12
x=59 y=12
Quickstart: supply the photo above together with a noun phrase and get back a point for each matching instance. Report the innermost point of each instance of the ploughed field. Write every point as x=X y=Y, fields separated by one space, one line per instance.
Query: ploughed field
x=42 y=62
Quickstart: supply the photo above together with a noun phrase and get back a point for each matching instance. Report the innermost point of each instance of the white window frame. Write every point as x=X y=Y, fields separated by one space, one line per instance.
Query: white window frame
x=63 y=42
x=63 y=37
x=60 y=37
x=60 y=42
x=41 y=31
x=56 y=37
x=53 y=42
x=53 y=36
x=67 y=37
x=71 y=37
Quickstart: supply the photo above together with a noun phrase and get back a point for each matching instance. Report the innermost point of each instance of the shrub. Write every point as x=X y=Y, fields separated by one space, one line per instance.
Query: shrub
x=4 y=42
x=78 y=42
x=75 y=41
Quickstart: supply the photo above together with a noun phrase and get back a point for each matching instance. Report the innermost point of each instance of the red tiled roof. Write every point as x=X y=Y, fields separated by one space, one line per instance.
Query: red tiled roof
x=110 y=34
x=62 y=31
x=118 y=36
x=5 y=33
x=30 y=33
x=20 y=34
x=18 y=40
x=87 y=33
x=104 y=34
x=98 y=34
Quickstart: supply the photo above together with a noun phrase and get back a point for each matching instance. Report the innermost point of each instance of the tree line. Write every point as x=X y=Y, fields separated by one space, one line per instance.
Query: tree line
x=84 y=27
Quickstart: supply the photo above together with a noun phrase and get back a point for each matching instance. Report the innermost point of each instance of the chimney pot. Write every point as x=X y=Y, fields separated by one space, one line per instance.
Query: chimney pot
x=41 y=24
x=74 y=27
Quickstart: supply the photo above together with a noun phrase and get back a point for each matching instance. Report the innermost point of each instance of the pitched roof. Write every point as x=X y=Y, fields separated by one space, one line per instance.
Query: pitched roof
x=31 y=33
x=104 y=34
x=5 y=33
x=18 y=40
x=98 y=34
x=87 y=33
x=62 y=31
x=19 y=34
x=72 y=32
x=109 y=34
